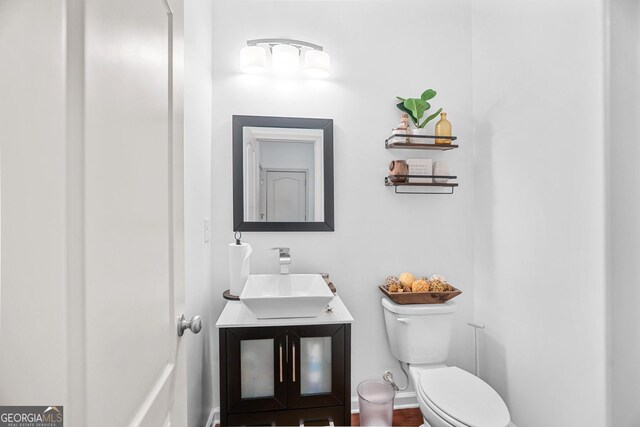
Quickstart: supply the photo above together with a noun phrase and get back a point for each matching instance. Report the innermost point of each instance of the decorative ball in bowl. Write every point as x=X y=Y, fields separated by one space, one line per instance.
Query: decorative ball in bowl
x=407 y=289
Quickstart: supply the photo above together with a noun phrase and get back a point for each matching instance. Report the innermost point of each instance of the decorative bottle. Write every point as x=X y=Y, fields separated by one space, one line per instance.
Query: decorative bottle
x=403 y=126
x=404 y=121
x=401 y=129
x=443 y=128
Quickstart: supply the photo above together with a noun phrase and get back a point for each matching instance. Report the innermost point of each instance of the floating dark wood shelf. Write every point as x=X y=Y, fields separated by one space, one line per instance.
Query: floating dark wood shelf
x=410 y=135
x=395 y=141
x=449 y=185
x=418 y=146
x=419 y=184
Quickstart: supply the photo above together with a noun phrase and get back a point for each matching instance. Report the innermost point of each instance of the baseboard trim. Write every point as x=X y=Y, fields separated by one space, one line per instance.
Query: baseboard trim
x=214 y=417
x=403 y=400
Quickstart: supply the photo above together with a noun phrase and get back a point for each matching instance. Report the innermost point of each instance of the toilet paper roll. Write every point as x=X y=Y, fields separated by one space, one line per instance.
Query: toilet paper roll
x=238 y=266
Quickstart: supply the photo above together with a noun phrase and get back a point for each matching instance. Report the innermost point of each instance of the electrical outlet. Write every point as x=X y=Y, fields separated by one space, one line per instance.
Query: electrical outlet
x=207 y=230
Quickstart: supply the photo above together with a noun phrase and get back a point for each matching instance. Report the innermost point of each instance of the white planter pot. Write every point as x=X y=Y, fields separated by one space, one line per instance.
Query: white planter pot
x=419 y=132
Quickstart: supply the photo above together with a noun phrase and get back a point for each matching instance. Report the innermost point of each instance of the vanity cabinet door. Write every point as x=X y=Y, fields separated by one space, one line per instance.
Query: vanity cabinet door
x=256 y=369
x=318 y=365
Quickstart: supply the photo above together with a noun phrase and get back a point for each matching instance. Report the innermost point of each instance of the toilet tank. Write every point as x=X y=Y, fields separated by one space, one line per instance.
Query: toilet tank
x=419 y=333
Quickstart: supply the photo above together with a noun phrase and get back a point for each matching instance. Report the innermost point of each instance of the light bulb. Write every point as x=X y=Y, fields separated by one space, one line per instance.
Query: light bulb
x=317 y=63
x=253 y=59
x=285 y=58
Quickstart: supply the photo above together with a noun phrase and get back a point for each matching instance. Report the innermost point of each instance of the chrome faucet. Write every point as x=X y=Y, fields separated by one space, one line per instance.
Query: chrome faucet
x=284 y=258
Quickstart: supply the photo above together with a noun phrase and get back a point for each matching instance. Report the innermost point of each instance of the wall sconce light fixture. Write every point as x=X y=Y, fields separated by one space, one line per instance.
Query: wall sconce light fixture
x=285 y=57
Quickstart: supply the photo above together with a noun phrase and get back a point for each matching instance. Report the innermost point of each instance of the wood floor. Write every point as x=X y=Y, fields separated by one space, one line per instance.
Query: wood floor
x=401 y=417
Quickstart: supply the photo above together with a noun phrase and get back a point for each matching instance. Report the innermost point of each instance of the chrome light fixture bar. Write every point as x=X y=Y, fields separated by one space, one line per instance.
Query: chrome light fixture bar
x=285 y=56
x=272 y=42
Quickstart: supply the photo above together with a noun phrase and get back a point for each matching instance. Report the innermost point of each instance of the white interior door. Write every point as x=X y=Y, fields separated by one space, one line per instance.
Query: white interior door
x=286 y=196
x=92 y=210
x=133 y=213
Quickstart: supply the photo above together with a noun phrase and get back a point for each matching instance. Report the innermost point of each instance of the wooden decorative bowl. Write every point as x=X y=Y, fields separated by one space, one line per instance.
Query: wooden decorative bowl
x=420 y=297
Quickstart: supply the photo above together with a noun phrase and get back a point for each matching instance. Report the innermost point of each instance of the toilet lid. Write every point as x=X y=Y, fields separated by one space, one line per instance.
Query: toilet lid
x=464 y=397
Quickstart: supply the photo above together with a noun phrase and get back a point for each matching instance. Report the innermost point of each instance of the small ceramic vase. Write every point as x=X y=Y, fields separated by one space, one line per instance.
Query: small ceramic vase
x=398 y=167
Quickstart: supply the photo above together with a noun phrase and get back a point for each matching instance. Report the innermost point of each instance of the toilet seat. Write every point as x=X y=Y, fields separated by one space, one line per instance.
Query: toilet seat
x=462 y=399
x=442 y=417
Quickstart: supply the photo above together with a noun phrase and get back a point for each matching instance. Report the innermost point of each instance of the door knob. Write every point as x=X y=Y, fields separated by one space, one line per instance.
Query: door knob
x=195 y=325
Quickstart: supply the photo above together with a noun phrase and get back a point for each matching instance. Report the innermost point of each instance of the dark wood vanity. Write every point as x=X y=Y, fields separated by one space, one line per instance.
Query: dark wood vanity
x=285 y=374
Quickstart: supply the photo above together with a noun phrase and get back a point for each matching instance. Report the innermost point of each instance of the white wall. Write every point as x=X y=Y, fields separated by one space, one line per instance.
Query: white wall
x=538 y=69
x=197 y=178
x=624 y=211
x=377 y=232
x=33 y=358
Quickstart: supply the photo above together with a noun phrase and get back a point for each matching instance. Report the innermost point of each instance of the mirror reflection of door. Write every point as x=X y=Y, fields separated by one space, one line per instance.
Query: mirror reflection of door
x=262 y=202
x=250 y=185
x=283 y=174
x=286 y=195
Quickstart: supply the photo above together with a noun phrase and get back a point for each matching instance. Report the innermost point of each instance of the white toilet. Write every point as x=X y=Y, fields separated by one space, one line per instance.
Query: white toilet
x=420 y=334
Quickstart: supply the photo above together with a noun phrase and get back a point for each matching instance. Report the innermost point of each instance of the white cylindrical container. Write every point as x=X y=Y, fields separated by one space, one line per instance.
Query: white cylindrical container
x=375 y=399
x=419 y=131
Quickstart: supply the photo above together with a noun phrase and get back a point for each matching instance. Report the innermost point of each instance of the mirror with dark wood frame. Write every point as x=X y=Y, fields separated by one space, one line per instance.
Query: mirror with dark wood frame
x=282 y=174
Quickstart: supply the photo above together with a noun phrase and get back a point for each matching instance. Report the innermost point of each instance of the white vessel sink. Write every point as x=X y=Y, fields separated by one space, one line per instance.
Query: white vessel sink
x=273 y=296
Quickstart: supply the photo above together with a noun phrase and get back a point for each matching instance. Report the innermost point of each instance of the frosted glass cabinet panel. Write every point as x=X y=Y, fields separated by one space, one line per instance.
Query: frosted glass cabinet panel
x=256 y=368
x=315 y=365
x=318 y=356
x=255 y=363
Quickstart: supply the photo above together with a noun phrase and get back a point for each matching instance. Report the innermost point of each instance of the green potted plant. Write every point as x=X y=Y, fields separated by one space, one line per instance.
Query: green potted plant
x=416 y=109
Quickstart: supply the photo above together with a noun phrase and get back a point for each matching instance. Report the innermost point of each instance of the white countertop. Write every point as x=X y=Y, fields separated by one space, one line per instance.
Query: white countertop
x=237 y=315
